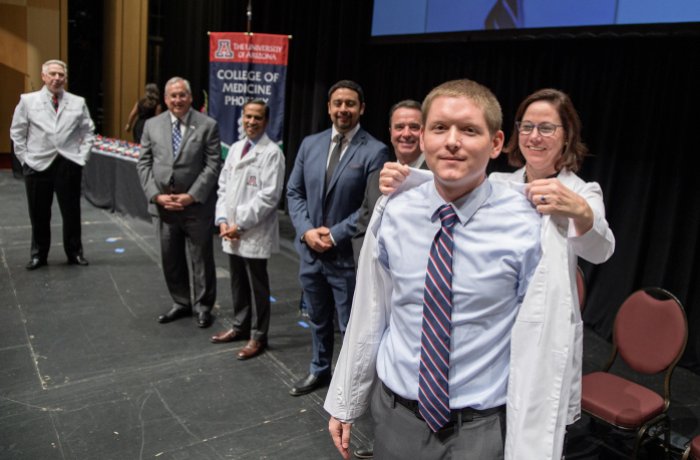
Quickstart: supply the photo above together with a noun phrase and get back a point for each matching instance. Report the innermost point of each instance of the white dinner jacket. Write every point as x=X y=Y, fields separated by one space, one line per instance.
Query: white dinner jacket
x=39 y=132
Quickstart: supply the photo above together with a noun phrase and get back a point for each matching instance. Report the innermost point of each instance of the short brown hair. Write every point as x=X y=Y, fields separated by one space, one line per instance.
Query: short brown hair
x=477 y=93
x=574 y=148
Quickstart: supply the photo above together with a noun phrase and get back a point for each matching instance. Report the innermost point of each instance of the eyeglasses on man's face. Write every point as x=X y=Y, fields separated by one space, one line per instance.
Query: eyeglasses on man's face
x=545 y=128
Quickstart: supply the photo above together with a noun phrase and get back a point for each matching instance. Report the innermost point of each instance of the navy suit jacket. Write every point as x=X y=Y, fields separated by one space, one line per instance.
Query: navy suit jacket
x=337 y=208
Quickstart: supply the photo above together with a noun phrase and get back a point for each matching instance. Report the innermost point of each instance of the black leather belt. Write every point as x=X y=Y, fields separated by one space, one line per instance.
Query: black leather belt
x=456 y=415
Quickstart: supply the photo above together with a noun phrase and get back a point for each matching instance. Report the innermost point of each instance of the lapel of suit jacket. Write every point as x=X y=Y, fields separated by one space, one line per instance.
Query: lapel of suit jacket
x=322 y=150
x=357 y=140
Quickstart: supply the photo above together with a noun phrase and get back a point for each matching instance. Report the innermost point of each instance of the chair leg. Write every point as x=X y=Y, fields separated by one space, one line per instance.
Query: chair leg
x=638 y=442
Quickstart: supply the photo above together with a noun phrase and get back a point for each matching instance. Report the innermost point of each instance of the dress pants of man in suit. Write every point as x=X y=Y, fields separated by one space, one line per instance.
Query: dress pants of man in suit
x=62 y=177
x=180 y=234
x=325 y=285
x=250 y=292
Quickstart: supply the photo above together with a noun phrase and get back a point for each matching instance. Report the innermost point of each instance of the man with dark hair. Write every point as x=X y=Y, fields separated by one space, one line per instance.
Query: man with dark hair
x=324 y=195
x=52 y=133
x=179 y=166
x=250 y=187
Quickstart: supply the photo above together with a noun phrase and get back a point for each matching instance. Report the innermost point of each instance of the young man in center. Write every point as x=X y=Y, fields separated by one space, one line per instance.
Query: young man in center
x=443 y=271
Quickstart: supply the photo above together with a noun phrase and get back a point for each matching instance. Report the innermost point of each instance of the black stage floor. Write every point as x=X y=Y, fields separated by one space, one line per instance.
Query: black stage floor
x=86 y=372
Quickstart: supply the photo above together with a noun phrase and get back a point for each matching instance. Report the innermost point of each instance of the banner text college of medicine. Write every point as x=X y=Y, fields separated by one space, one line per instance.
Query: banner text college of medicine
x=243 y=67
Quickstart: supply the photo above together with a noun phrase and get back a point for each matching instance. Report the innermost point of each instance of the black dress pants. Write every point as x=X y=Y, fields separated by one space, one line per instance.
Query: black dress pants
x=62 y=177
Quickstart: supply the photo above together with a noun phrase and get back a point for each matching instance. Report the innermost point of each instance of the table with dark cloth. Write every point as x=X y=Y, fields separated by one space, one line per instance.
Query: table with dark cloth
x=110 y=181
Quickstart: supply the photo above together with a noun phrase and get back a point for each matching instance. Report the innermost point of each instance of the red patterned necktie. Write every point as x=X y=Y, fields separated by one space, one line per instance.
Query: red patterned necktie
x=433 y=376
x=54 y=102
x=246 y=149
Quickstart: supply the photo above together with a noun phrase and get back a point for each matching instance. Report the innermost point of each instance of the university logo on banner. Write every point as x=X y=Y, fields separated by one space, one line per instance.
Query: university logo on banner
x=244 y=67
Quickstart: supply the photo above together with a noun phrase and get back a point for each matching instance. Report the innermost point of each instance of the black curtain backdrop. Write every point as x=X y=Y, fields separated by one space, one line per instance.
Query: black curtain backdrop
x=636 y=94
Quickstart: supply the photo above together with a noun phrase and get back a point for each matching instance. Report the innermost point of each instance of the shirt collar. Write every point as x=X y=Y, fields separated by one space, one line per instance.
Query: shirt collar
x=348 y=136
x=418 y=161
x=183 y=120
x=466 y=206
x=254 y=142
x=49 y=94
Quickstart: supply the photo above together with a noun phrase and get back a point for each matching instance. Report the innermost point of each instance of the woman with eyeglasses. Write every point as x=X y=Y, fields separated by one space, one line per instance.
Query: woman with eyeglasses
x=546 y=145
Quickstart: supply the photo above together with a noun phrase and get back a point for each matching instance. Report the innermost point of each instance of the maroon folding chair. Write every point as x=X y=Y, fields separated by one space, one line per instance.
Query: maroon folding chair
x=650 y=334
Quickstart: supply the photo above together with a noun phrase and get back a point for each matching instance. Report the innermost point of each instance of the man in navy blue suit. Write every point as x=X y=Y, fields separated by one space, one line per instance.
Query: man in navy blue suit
x=324 y=194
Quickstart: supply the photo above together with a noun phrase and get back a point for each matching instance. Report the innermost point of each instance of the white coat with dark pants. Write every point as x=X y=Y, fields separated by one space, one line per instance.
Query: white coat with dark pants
x=53 y=146
x=194 y=170
x=249 y=193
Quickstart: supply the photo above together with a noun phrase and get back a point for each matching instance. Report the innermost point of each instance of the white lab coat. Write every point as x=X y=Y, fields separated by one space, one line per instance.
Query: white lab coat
x=545 y=368
x=40 y=133
x=544 y=386
x=248 y=195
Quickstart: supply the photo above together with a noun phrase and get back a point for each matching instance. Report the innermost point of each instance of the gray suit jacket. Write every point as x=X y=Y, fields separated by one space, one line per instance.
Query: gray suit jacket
x=195 y=170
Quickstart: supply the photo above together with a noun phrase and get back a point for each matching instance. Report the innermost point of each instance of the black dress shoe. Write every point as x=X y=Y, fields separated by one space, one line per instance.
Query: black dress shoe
x=204 y=319
x=310 y=383
x=77 y=260
x=35 y=263
x=364 y=452
x=174 y=313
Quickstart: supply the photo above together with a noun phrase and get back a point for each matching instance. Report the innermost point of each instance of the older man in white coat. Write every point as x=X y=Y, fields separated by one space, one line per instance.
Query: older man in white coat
x=250 y=187
x=52 y=134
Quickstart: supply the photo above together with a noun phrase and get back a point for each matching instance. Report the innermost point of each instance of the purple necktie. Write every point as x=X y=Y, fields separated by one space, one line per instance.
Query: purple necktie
x=433 y=377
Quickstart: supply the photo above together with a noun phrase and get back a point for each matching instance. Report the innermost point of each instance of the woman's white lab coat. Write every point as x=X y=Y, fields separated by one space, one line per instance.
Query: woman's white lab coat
x=544 y=387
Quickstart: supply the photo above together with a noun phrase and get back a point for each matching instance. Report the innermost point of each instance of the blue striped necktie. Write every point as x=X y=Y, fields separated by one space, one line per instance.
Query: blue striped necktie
x=177 y=137
x=433 y=383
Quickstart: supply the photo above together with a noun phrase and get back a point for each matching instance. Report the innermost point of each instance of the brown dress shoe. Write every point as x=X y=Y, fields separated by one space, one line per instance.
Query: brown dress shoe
x=228 y=336
x=252 y=348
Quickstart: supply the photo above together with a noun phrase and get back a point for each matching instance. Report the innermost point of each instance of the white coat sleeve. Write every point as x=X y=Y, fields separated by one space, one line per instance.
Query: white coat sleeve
x=598 y=244
x=19 y=129
x=355 y=372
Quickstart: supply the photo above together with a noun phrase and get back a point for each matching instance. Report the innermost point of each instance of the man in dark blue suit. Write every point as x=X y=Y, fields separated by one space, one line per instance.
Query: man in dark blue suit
x=324 y=194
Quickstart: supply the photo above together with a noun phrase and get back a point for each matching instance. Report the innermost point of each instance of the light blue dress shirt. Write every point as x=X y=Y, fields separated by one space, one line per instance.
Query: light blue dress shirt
x=497 y=247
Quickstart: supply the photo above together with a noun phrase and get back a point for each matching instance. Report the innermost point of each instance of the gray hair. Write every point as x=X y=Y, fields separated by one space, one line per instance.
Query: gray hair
x=45 y=65
x=174 y=80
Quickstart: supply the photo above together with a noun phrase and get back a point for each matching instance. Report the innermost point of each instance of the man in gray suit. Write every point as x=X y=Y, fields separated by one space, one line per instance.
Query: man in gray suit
x=405 y=123
x=324 y=194
x=179 y=168
x=52 y=134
